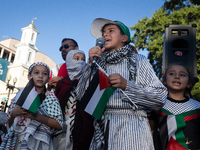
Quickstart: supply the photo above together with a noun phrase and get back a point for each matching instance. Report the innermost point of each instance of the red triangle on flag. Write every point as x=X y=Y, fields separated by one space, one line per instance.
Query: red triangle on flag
x=103 y=80
x=174 y=145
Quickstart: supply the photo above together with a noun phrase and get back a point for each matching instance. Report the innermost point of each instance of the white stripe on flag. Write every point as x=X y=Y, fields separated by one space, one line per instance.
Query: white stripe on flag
x=172 y=126
x=30 y=98
x=94 y=100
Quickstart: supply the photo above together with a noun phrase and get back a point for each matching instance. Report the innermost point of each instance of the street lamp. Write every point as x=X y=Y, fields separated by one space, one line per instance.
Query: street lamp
x=10 y=87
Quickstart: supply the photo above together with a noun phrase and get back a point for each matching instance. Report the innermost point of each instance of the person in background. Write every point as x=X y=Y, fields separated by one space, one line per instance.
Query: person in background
x=34 y=131
x=177 y=124
x=60 y=71
x=123 y=125
x=65 y=91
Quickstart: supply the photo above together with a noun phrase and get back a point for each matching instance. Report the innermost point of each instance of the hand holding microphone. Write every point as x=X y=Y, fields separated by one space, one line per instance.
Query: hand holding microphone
x=100 y=43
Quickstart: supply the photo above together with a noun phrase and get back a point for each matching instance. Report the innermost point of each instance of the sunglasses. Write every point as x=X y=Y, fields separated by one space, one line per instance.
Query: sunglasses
x=66 y=46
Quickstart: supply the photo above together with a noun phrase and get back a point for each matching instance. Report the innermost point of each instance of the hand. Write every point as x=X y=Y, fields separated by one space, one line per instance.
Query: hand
x=31 y=115
x=116 y=80
x=95 y=52
x=53 y=82
x=18 y=111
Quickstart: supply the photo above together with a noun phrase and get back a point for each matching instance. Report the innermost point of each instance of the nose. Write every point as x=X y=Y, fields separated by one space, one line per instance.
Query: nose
x=104 y=34
x=177 y=75
x=40 y=75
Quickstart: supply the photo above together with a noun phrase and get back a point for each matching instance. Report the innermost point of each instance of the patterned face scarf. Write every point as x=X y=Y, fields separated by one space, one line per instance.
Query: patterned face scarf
x=75 y=68
x=116 y=56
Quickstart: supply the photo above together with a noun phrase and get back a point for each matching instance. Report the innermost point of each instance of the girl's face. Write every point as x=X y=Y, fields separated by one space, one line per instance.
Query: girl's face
x=79 y=56
x=177 y=79
x=40 y=75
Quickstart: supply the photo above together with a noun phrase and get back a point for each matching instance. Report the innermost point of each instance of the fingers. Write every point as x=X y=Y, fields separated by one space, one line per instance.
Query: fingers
x=95 y=52
x=116 y=80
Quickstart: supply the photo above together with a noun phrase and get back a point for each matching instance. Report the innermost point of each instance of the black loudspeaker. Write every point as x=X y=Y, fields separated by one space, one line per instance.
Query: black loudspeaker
x=180 y=46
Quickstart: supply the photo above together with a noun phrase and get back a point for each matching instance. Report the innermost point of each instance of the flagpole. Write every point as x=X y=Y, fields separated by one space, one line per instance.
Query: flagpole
x=119 y=88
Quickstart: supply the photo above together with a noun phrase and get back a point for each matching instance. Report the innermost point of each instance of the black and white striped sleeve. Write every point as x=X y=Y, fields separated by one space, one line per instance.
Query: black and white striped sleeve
x=148 y=92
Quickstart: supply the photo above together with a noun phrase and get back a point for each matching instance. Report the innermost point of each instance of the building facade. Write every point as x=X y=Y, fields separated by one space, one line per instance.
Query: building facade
x=15 y=58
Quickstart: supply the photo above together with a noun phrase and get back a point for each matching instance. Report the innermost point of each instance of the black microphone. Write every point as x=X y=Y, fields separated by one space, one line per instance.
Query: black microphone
x=99 y=42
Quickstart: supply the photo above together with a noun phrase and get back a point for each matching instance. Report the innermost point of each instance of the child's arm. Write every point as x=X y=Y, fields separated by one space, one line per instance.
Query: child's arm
x=50 y=122
x=17 y=111
x=148 y=92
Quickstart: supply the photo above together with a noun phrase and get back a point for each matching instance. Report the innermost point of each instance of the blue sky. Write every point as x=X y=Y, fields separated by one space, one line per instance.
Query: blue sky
x=58 y=19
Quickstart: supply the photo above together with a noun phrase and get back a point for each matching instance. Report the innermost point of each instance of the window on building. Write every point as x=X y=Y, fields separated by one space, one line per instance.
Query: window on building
x=12 y=58
x=29 y=56
x=32 y=38
x=0 y=50
x=24 y=73
x=5 y=55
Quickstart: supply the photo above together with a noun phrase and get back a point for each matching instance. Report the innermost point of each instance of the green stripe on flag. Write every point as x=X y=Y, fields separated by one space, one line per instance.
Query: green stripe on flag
x=35 y=104
x=103 y=102
x=180 y=137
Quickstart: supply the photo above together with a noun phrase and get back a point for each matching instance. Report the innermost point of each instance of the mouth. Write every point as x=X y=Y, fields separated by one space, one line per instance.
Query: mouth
x=40 y=81
x=107 y=40
x=176 y=83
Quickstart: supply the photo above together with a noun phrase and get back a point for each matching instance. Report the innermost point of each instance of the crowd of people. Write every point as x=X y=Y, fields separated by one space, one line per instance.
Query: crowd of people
x=143 y=113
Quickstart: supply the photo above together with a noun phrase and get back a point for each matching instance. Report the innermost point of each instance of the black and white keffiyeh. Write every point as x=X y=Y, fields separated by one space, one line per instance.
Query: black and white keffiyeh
x=116 y=56
x=36 y=64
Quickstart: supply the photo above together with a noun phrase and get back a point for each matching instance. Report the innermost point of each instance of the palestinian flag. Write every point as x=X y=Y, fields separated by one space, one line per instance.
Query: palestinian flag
x=97 y=95
x=28 y=98
x=172 y=126
x=174 y=145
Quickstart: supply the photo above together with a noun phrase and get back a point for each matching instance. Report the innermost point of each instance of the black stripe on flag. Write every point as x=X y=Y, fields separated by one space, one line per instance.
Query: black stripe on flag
x=25 y=92
x=163 y=131
x=90 y=90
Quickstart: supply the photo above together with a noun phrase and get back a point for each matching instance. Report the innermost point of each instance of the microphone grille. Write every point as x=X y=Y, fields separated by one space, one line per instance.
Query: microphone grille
x=100 y=40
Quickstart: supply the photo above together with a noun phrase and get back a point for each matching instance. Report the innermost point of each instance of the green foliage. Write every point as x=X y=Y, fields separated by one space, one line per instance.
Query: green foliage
x=149 y=32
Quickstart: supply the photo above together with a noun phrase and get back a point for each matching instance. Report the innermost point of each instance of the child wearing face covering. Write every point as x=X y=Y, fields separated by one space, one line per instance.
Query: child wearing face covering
x=65 y=92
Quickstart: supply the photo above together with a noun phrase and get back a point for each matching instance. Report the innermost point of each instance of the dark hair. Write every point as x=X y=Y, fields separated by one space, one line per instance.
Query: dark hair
x=187 y=90
x=121 y=32
x=66 y=39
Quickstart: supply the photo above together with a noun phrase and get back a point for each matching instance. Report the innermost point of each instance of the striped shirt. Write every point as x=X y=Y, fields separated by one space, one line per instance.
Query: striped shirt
x=129 y=128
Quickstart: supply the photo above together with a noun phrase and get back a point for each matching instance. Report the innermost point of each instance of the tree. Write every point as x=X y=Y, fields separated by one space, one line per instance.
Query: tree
x=149 y=32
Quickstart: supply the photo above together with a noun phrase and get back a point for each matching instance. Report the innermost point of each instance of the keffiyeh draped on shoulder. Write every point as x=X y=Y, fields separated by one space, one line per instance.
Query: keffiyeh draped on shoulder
x=36 y=135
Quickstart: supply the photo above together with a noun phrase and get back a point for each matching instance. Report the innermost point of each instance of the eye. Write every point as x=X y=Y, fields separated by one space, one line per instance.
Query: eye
x=45 y=73
x=111 y=30
x=171 y=73
x=36 y=72
x=182 y=75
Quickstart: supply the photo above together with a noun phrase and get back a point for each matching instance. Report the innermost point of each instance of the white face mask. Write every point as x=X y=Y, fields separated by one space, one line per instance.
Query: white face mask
x=75 y=68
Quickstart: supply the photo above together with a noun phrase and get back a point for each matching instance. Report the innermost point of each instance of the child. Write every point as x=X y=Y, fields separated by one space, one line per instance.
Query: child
x=34 y=131
x=179 y=120
x=65 y=91
x=122 y=125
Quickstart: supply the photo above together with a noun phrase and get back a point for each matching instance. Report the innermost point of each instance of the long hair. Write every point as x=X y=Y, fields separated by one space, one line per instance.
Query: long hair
x=187 y=90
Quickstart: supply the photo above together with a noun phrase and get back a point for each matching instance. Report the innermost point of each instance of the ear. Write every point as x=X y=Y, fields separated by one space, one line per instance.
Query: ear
x=189 y=85
x=76 y=48
x=124 y=38
x=29 y=76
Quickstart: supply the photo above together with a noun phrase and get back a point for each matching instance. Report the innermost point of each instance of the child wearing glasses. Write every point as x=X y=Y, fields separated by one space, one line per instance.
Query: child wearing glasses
x=123 y=124
x=60 y=71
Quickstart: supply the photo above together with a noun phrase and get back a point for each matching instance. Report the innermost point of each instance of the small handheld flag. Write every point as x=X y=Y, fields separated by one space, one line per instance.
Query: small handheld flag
x=28 y=98
x=97 y=95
